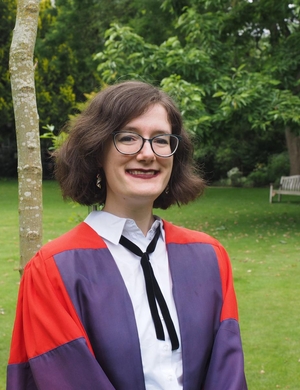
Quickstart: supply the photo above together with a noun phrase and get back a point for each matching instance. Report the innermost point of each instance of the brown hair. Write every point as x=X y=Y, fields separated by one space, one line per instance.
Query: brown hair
x=79 y=159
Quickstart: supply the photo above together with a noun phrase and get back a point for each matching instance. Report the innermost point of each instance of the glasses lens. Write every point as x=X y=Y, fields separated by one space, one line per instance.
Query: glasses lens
x=165 y=145
x=128 y=143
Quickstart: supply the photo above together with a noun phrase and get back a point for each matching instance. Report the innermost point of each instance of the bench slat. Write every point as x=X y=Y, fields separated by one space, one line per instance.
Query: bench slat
x=291 y=183
x=286 y=192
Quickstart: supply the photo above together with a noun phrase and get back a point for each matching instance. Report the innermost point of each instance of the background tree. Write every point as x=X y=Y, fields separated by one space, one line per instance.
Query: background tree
x=229 y=54
x=27 y=129
x=231 y=64
x=69 y=34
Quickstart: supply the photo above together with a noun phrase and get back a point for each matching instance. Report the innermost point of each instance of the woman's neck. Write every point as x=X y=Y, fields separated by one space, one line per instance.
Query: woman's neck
x=142 y=216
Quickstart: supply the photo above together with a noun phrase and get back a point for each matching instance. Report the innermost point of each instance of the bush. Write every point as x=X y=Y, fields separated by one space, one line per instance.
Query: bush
x=259 y=177
x=262 y=175
x=279 y=165
x=235 y=176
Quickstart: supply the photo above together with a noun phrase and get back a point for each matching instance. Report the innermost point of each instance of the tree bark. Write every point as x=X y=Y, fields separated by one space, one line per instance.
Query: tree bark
x=293 y=146
x=27 y=129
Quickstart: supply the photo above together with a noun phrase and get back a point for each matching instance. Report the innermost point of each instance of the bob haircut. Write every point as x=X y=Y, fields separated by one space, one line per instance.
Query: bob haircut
x=79 y=160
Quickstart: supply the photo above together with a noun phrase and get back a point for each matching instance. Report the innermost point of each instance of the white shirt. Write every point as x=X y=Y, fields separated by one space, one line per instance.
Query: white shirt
x=162 y=366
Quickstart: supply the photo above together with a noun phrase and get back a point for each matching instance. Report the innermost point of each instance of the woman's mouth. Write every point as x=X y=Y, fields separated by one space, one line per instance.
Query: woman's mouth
x=141 y=173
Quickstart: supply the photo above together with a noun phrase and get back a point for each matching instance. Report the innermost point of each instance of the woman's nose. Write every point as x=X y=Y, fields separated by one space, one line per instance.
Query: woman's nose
x=146 y=152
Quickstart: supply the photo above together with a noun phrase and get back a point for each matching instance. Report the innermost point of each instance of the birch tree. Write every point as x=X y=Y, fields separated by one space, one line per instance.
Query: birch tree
x=27 y=128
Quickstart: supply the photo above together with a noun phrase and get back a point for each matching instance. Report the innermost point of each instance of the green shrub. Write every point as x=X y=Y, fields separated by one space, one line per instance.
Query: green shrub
x=263 y=175
x=278 y=166
x=259 y=177
x=235 y=175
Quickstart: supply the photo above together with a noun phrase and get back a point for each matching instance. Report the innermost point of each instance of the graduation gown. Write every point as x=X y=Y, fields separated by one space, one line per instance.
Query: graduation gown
x=75 y=327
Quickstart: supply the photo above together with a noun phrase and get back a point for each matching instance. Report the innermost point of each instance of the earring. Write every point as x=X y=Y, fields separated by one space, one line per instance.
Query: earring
x=98 y=181
x=167 y=190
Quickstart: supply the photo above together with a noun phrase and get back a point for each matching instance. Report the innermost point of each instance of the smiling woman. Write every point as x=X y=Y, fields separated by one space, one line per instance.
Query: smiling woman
x=126 y=300
x=115 y=109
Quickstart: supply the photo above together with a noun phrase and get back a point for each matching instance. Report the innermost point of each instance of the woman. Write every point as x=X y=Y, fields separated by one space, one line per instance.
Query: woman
x=125 y=300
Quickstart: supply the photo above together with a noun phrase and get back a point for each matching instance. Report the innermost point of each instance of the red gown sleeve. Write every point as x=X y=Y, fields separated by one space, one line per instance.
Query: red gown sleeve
x=226 y=367
x=50 y=348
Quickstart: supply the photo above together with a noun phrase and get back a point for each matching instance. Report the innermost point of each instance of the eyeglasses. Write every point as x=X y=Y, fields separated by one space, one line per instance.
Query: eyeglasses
x=129 y=143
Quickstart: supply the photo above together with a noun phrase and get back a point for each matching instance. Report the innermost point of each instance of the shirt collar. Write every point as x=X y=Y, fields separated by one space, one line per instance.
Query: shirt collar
x=110 y=227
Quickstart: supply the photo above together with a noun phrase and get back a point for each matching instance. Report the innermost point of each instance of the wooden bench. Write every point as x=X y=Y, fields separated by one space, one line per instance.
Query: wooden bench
x=289 y=185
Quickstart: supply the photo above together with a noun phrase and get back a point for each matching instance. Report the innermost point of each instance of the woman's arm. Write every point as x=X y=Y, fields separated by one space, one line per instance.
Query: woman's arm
x=50 y=348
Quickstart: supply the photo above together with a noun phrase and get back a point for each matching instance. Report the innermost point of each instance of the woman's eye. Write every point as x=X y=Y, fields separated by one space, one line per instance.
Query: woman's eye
x=127 y=138
x=161 y=141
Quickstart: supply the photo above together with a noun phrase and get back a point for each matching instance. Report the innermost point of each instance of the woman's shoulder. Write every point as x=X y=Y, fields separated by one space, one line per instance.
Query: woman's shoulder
x=181 y=235
x=81 y=236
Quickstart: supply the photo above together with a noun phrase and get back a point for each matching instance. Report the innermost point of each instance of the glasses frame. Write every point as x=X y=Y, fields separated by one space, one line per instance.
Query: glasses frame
x=150 y=140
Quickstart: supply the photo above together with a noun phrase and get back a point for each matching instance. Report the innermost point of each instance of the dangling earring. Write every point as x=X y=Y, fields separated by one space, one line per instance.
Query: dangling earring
x=98 y=181
x=167 y=190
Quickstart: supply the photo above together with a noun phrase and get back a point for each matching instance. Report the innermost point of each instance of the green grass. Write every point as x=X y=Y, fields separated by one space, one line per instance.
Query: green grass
x=263 y=242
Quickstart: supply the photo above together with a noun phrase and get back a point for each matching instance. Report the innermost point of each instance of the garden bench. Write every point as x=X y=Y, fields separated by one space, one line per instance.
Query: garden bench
x=289 y=185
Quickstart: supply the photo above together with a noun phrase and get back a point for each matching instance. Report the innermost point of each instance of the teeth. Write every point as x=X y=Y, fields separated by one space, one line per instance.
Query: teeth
x=137 y=172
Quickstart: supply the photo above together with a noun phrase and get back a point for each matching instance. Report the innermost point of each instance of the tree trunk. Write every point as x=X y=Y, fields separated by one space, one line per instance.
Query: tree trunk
x=27 y=129
x=293 y=146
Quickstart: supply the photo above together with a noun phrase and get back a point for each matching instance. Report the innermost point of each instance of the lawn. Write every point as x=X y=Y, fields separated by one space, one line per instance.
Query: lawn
x=263 y=241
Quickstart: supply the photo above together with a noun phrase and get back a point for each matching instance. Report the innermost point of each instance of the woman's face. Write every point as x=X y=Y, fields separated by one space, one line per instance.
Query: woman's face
x=137 y=180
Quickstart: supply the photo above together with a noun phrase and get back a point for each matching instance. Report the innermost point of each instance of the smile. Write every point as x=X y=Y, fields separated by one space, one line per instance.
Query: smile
x=139 y=172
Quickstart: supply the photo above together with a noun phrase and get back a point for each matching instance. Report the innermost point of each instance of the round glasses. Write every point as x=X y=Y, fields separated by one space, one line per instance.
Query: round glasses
x=129 y=143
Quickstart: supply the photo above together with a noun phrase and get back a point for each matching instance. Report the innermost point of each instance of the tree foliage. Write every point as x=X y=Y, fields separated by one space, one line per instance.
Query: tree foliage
x=235 y=63
x=232 y=65
x=70 y=33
